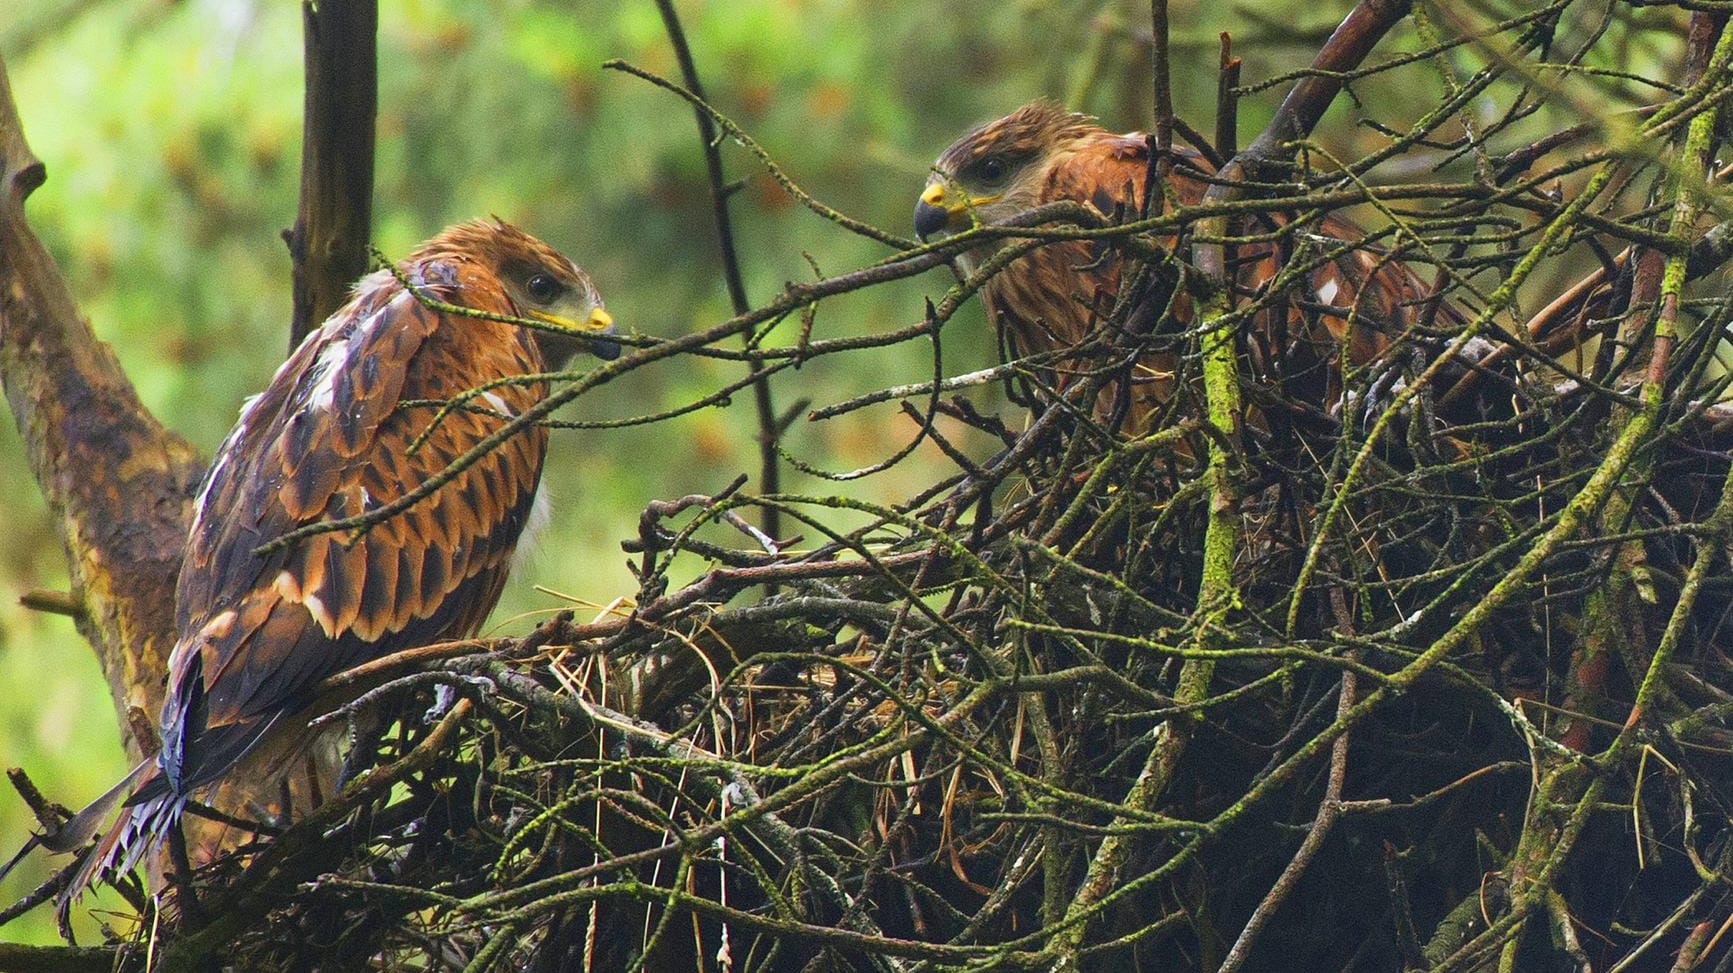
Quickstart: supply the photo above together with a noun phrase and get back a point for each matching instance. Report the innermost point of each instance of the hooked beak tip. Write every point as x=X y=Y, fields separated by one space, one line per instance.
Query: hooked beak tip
x=602 y=323
x=929 y=219
x=600 y=346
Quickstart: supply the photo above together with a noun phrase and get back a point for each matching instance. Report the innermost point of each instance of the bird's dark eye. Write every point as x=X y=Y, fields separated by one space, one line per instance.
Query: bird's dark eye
x=991 y=169
x=543 y=288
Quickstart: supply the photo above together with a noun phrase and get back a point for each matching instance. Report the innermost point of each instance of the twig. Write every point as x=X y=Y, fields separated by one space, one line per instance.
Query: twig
x=275 y=865
x=52 y=602
x=1329 y=811
x=1159 y=171
x=1227 y=134
x=49 y=816
x=769 y=435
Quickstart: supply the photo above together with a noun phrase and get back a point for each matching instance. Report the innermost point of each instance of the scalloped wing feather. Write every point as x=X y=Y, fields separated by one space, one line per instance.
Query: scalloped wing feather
x=330 y=439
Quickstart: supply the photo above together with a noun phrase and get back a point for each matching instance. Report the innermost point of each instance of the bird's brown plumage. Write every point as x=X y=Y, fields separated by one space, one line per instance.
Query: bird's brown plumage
x=330 y=438
x=1054 y=299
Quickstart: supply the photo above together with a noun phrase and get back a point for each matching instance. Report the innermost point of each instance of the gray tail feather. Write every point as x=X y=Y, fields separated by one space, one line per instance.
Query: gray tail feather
x=34 y=842
x=81 y=827
x=139 y=830
x=78 y=831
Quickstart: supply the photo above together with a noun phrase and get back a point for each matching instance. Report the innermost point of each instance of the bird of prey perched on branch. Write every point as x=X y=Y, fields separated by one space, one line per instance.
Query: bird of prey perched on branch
x=350 y=424
x=1059 y=297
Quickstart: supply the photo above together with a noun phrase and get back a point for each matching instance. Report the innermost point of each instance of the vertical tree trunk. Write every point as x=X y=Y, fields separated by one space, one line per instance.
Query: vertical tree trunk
x=329 y=242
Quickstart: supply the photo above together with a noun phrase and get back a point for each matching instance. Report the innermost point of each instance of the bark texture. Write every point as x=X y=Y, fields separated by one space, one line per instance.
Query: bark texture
x=118 y=484
x=329 y=241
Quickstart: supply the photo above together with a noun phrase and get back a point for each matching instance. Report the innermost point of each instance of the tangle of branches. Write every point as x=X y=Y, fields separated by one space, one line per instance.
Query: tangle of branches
x=1431 y=673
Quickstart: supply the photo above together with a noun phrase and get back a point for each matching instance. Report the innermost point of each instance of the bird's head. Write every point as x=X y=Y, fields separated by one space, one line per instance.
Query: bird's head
x=996 y=170
x=542 y=285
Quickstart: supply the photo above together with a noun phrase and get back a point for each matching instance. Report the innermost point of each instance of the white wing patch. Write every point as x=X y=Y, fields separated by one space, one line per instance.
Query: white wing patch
x=1327 y=293
x=324 y=374
x=378 y=279
x=211 y=481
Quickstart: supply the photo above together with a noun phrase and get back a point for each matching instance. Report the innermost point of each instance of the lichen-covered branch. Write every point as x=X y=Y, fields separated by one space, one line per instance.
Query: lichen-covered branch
x=1084 y=698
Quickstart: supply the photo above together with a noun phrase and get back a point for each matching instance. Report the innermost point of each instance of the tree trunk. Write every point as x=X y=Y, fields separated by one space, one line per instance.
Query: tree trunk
x=118 y=485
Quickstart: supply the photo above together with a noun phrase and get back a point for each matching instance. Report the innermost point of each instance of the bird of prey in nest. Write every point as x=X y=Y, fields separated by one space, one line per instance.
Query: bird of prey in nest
x=1337 y=295
x=352 y=422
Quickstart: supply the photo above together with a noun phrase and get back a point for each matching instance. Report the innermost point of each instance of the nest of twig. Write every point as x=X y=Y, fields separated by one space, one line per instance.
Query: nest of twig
x=1455 y=700
x=918 y=748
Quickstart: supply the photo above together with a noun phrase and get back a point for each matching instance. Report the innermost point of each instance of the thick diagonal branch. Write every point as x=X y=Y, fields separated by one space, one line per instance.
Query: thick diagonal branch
x=119 y=486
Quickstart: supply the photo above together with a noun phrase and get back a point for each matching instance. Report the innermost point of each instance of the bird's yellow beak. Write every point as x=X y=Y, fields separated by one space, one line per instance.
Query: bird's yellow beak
x=941 y=210
x=598 y=321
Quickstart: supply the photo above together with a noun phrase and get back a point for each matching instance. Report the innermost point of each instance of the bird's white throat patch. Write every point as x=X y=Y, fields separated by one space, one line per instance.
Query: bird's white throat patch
x=528 y=546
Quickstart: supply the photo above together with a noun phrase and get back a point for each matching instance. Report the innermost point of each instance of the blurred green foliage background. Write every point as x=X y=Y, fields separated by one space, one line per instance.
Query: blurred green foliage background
x=171 y=134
